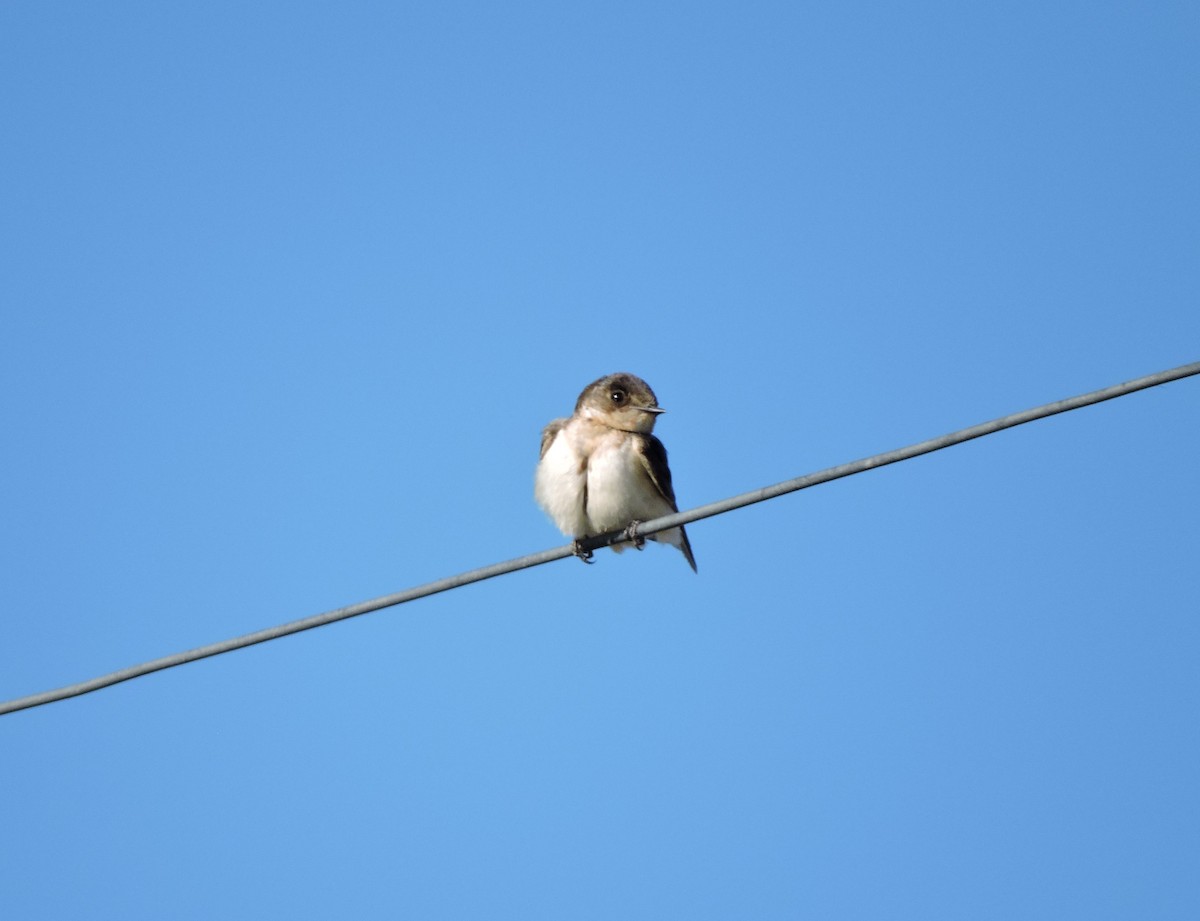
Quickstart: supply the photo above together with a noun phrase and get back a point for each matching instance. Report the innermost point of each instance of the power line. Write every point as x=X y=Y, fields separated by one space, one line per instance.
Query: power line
x=603 y=540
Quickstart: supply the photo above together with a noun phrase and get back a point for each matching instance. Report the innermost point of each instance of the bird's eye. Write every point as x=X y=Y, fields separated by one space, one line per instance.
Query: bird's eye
x=618 y=397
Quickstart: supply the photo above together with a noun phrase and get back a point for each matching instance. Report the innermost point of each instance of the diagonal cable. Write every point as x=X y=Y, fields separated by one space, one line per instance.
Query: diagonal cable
x=603 y=540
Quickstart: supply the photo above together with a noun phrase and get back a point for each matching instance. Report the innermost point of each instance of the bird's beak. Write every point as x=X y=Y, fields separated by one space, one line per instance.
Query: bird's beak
x=652 y=409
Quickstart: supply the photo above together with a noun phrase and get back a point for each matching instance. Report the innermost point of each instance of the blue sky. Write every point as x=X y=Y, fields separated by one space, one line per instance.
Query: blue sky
x=289 y=291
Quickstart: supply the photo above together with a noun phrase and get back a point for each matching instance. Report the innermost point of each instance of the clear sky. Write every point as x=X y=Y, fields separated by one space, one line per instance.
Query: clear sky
x=288 y=292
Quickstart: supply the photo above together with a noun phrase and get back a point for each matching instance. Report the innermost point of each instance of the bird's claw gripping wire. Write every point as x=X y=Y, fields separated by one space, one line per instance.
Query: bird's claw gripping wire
x=580 y=551
x=631 y=533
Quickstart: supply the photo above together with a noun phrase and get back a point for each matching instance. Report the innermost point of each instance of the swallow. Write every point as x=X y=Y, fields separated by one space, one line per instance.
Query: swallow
x=601 y=469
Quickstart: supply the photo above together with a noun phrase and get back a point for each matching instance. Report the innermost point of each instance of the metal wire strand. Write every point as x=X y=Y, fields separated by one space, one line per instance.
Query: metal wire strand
x=603 y=540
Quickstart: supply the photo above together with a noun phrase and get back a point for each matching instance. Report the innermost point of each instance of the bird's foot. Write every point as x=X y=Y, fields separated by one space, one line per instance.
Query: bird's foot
x=631 y=533
x=580 y=551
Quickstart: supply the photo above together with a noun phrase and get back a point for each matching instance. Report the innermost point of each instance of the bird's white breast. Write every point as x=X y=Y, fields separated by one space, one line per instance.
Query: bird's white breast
x=592 y=479
x=619 y=488
x=560 y=484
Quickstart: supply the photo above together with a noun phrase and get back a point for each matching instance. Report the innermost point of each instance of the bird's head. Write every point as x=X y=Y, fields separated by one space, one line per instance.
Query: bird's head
x=620 y=401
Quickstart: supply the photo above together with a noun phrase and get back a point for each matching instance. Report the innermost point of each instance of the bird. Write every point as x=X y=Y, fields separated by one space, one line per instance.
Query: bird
x=601 y=469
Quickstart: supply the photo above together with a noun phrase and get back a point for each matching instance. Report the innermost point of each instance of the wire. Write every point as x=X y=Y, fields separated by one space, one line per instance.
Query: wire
x=603 y=540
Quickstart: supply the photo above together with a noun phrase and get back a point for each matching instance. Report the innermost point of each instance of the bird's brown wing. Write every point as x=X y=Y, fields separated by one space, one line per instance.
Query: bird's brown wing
x=654 y=460
x=548 y=434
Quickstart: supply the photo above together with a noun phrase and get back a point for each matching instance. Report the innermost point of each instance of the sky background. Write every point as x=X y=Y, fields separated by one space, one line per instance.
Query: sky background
x=288 y=293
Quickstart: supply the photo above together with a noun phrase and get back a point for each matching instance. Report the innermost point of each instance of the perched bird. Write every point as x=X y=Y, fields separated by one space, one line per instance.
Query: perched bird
x=601 y=469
